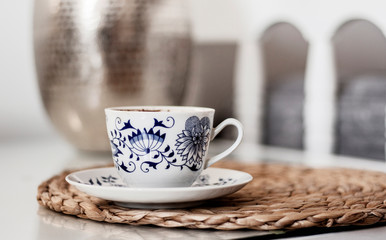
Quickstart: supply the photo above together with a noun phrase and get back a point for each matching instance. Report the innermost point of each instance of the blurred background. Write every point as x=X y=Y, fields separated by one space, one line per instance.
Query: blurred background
x=299 y=75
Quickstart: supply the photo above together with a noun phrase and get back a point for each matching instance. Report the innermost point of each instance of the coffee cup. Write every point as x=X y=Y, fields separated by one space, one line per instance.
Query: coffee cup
x=164 y=146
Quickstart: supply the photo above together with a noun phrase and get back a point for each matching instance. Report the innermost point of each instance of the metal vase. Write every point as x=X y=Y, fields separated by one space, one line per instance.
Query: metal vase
x=95 y=54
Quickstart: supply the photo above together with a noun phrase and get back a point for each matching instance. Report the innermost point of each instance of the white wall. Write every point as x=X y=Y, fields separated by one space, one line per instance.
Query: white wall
x=21 y=112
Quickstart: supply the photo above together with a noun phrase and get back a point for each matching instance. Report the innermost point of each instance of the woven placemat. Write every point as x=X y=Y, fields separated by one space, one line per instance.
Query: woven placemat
x=279 y=197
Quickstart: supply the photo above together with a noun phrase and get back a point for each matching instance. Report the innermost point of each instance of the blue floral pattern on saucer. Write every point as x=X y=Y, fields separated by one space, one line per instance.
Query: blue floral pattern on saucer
x=105 y=183
x=202 y=180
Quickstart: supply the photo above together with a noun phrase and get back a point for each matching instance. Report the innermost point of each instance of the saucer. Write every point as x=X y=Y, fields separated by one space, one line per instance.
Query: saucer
x=105 y=183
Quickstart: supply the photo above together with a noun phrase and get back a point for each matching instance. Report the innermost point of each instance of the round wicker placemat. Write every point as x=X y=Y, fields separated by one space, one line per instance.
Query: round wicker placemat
x=279 y=197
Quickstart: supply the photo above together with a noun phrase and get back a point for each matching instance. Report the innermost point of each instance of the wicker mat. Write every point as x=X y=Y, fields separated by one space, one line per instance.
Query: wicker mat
x=279 y=197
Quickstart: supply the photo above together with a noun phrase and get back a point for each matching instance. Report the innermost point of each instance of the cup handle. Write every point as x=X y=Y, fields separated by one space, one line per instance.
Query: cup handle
x=217 y=130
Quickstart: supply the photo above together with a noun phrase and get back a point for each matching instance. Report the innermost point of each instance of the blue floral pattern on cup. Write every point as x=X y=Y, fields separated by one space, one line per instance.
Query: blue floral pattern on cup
x=193 y=141
x=145 y=147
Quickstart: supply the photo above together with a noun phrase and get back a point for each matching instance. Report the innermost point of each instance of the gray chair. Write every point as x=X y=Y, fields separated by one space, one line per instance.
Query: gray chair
x=283 y=118
x=361 y=117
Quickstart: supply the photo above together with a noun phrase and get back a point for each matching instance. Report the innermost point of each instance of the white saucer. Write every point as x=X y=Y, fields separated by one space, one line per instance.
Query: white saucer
x=105 y=183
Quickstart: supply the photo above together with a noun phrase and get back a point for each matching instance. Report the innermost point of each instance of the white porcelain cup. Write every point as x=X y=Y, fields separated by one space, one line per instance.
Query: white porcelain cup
x=164 y=146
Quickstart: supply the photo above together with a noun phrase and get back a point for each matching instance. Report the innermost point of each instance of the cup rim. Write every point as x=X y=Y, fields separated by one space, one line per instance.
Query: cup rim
x=151 y=109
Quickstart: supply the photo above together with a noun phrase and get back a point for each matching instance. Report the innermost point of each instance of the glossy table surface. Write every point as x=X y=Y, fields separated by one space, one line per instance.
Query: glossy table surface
x=25 y=164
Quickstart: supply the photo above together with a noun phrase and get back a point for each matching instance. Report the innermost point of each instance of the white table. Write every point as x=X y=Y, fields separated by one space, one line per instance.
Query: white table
x=24 y=164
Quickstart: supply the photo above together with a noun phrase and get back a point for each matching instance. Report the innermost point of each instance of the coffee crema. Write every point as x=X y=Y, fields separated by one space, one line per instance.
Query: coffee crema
x=144 y=110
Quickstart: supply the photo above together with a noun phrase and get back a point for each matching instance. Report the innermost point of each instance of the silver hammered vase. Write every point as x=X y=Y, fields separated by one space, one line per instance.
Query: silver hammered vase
x=93 y=54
